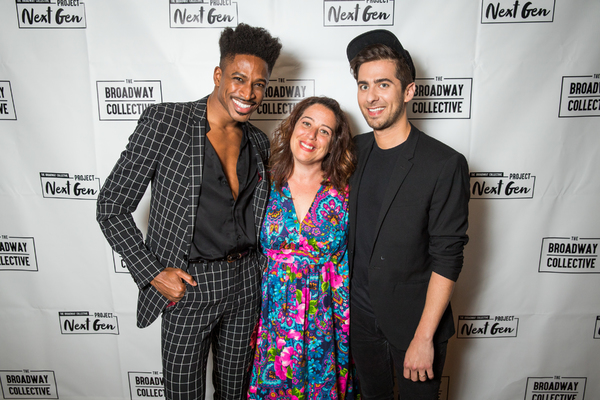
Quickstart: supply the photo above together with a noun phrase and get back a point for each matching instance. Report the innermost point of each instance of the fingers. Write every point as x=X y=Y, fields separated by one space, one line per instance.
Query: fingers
x=170 y=283
x=172 y=289
x=411 y=374
x=186 y=277
x=424 y=375
x=421 y=376
x=430 y=373
x=418 y=375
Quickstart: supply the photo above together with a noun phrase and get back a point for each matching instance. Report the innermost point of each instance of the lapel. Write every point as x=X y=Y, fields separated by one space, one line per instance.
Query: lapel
x=196 y=162
x=399 y=173
x=262 y=187
x=362 y=154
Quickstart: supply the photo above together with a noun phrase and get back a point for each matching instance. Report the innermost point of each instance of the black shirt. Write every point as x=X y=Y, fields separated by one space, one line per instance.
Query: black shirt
x=225 y=225
x=373 y=185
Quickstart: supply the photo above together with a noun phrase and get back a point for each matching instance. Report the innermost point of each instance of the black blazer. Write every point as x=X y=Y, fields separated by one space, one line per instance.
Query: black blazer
x=165 y=151
x=421 y=229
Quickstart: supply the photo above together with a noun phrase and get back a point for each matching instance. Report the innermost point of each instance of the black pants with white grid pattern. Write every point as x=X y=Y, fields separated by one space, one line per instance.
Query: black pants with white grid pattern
x=221 y=311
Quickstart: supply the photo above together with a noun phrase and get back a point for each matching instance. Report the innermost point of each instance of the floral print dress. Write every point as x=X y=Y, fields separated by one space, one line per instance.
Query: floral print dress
x=302 y=339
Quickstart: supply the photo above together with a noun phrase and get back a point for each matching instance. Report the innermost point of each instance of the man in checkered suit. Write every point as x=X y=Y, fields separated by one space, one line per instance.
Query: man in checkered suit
x=199 y=264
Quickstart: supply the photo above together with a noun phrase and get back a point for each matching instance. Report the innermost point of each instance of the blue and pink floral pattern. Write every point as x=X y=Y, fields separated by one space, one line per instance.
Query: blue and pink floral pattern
x=302 y=339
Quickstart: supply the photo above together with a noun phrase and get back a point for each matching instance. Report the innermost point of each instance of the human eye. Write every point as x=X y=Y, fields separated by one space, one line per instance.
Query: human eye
x=325 y=132
x=384 y=85
x=363 y=87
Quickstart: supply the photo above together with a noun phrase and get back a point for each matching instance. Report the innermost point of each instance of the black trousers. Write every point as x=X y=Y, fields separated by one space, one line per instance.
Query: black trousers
x=375 y=359
x=221 y=311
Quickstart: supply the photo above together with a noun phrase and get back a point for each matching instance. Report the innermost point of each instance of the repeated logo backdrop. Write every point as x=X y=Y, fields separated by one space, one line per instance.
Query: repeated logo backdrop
x=513 y=85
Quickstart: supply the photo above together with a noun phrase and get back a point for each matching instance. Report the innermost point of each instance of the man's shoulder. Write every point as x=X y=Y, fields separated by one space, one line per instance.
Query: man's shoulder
x=431 y=147
x=363 y=139
x=177 y=110
x=256 y=134
x=255 y=130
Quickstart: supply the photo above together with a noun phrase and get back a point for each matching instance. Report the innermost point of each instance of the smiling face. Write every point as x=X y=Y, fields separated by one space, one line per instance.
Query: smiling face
x=381 y=97
x=312 y=135
x=240 y=86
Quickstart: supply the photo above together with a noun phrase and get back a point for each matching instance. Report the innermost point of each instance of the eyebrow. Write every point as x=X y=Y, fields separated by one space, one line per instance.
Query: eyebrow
x=236 y=73
x=306 y=116
x=380 y=80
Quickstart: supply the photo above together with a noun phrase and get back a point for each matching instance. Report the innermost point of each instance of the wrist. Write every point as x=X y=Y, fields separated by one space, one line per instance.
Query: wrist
x=423 y=336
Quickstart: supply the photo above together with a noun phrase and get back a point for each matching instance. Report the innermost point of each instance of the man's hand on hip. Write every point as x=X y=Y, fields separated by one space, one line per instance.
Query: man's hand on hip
x=170 y=283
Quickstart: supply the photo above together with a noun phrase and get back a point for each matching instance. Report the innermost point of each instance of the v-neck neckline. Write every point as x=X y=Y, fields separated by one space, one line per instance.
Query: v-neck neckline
x=289 y=192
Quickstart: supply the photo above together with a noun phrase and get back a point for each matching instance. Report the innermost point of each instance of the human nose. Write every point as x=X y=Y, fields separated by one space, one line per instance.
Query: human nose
x=372 y=95
x=246 y=91
x=312 y=132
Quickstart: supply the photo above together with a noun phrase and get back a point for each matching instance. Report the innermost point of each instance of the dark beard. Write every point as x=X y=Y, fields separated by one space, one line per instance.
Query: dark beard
x=382 y=125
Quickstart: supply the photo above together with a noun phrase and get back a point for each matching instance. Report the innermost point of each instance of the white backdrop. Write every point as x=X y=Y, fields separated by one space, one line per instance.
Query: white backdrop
x=513 y=85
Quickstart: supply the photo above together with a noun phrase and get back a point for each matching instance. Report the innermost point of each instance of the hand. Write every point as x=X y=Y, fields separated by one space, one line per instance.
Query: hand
x=170 y=283
x=418 y=361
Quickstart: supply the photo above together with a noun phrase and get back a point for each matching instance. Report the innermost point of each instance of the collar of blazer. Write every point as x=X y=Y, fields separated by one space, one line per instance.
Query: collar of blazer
x=199 y=109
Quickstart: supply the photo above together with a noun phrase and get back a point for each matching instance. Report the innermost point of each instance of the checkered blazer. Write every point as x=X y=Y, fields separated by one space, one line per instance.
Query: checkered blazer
x=166 y=150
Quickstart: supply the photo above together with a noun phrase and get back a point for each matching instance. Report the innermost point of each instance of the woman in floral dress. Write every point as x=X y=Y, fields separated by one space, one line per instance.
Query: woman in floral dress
x=302 y=339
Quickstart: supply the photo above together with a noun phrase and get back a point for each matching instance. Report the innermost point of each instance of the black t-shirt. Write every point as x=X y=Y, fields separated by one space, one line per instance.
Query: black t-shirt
x=371 y=191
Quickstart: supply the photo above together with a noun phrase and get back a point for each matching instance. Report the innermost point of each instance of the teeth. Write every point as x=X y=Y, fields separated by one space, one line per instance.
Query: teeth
x=376 y=109
x=240 y=104
x=306 y=146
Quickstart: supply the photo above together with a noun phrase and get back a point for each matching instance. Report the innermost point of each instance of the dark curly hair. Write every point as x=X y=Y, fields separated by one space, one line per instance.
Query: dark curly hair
x=246 y=39
x=376 y=52
x=337 y=166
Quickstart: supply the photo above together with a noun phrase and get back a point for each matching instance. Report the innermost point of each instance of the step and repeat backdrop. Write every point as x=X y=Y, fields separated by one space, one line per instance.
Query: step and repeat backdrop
x=513 y=85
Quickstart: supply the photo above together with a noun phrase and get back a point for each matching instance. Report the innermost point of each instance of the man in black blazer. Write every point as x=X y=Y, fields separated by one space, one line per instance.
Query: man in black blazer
x=198 y=266
x=408 y=221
